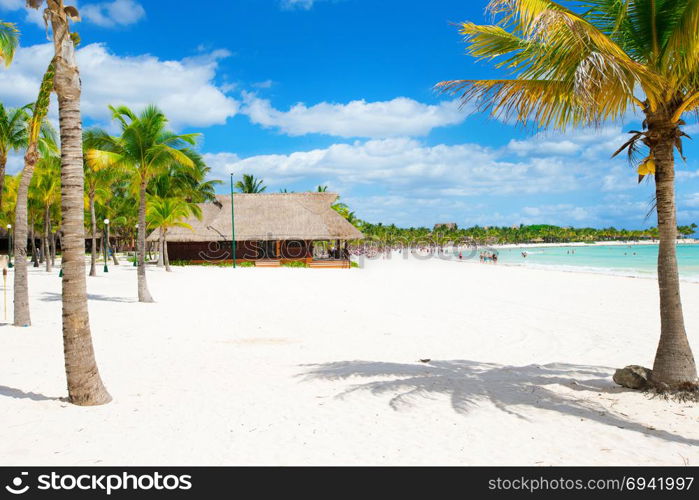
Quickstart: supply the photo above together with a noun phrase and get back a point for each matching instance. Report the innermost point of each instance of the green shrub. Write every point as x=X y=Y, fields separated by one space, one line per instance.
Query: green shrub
x=294 y=263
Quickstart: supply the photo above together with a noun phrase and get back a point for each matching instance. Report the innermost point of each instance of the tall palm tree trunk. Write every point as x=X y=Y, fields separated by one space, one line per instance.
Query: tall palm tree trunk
x=113 y=248
x=22 y=316
x=161 y=239
x=93 y=239
x=3 y=164
x=143 y=293
x=85 y=385
x=47 y=250
x=674 y=362
x=32 y=238
x=53 y=245
x=166 y=259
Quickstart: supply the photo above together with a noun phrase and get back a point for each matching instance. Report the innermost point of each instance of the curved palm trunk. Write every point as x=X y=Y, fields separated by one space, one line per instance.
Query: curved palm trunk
x=143 y=293
x=93 y=240
x=674 y=362
x=22 y=316
x=47 y=250
x=85 y=385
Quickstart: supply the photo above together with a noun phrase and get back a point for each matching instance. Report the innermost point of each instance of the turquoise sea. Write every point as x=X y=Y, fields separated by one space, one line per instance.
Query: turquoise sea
x=628 y=260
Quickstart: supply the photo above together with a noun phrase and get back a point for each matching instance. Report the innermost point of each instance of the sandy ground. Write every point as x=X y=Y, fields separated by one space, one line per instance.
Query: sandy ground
x=318 y=366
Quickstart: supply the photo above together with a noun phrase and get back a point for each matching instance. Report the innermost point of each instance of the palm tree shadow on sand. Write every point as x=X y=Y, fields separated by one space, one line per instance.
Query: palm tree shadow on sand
x=11 y=392
x=56 y=297
x=511 y=389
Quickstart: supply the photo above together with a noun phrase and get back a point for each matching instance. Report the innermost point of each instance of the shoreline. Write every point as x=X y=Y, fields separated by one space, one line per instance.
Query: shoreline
x=689 y=241
x=594 y=270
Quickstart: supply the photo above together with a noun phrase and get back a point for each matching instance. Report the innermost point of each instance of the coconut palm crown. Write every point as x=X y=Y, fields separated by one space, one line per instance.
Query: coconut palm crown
x=588 y=62
x=9 y=39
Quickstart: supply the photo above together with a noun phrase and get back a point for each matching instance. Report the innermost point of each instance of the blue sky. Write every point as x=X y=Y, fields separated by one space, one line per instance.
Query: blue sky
x=339 y=92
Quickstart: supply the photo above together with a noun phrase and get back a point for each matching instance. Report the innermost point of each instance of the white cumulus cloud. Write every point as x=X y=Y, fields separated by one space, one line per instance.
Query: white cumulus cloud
x=184 y=89
x=398 y=117
x=116 y=13
x=105 y=14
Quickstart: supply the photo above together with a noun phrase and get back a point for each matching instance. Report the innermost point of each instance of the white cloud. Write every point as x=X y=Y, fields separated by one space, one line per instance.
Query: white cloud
x=184 y=89
x=406 y=181
x=406 y=164
x=396 y=118
x=116 y=13
x=104 y=14
x=691 y=200
x=297 y=4
x=12 y=4
x=586 y=143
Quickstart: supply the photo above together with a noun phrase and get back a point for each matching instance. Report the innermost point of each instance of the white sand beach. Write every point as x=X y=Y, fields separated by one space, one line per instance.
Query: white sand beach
x=304 y=366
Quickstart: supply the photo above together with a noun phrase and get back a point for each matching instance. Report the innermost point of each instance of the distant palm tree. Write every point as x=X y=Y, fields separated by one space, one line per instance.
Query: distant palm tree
x=46 y=190
x=98 y=183
x=581 y=68
x=321 y=189
x=146 y=148
x=85 y=385
x=164 y=213
x=9 y=39
x=250 y=184
x=13 y=136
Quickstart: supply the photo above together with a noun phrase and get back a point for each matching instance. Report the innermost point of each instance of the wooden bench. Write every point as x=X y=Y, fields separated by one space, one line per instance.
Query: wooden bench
x=268 y=263
x=330 y=264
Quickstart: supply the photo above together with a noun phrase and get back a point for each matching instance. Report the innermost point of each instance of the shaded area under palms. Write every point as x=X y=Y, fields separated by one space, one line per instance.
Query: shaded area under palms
x=511 y=389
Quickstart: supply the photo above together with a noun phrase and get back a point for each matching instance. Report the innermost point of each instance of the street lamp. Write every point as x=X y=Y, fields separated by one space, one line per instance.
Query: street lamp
x=105 y=244
x=135 y=251
x=9 y=248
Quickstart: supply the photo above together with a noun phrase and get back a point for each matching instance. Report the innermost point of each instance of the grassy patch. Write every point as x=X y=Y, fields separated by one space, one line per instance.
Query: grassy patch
x=295 y=263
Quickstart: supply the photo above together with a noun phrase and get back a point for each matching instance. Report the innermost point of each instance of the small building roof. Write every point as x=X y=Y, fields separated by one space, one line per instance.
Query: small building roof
x=266 y=217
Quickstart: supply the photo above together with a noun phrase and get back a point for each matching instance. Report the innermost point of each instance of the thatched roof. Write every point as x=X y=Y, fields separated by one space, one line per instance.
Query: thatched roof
x=283 y=216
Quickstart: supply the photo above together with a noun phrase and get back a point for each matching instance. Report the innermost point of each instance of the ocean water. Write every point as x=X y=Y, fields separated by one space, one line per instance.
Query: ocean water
x=627 y=260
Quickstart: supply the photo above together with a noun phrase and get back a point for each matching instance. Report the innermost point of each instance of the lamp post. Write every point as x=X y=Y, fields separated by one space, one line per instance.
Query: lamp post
x=105 y=244
x=135 y=251
x=232 y=221
x=9 y=248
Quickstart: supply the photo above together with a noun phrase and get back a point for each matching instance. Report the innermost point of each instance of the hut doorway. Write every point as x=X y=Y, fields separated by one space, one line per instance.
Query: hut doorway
x=269 y=249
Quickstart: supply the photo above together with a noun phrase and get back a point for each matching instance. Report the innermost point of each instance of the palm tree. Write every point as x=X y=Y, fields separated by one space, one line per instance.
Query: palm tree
x=13 y=136
x=579 y=69
x=146 y=148
x=164 y=213
x=98 y=184
x=40 y=138
x=250 y=184
x=46 y=190
x=9 y=39
x=85 y=385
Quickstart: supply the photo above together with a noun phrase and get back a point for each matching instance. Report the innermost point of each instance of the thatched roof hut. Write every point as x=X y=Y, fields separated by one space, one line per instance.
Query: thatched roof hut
x=269 y=218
